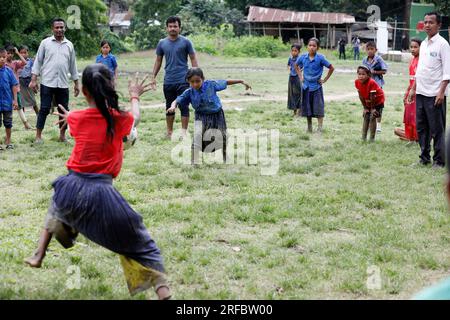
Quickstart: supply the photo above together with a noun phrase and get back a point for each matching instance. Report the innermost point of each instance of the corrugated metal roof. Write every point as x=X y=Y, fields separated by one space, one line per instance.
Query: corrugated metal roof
x=122 y=19
x=261 y=14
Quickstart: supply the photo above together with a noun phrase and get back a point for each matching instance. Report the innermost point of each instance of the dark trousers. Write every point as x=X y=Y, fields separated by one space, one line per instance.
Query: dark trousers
x=61 y=96
x=430 y=120
x=171 y=92
x=342 y=53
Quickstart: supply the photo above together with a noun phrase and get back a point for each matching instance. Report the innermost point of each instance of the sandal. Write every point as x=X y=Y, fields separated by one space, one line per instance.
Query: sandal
x=9 y=147
x=1 y=148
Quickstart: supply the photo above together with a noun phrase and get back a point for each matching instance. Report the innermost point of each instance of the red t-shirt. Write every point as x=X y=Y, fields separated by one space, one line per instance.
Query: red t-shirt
x=94 y=152
x=364 y=90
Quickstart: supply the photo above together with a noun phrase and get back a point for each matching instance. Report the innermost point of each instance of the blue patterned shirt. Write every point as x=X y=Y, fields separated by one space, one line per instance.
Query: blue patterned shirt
x=377 y=64
x=204 y=100
x=7 y=82
x=312 y=70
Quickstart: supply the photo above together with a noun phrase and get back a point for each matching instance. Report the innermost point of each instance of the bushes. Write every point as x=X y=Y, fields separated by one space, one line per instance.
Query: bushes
x=117 y=45
x=246 y=46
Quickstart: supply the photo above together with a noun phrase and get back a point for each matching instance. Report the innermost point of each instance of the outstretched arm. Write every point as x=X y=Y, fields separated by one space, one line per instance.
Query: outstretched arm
x=232 y=82
x=136 y=89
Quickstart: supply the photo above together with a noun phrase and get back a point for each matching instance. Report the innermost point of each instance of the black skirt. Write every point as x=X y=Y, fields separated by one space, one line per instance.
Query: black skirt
x=210 y=133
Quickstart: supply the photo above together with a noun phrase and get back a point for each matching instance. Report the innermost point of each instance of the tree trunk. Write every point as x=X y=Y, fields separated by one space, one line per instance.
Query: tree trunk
x=406 y=16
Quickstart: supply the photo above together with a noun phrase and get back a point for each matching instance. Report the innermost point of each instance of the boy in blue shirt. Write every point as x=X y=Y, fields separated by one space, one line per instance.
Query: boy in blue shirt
x=377 y=67
x=310 y=70
x=9 y=87
x=295 y=84
x=108 y=59
x=202 y=95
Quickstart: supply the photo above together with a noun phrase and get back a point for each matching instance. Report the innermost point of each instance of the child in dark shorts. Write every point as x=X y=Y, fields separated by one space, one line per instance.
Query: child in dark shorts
x=372 y=99
x=202 y=95
x=9 y=86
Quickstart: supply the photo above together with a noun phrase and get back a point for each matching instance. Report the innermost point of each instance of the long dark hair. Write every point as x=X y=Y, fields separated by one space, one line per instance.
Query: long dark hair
x=98 y=82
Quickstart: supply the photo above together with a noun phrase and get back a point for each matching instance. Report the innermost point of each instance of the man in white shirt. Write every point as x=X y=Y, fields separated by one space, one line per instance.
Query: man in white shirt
x=432 y=79
x=54 y=61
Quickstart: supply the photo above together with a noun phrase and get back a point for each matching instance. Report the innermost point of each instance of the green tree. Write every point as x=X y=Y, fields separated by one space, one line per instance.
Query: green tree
x=29 y=21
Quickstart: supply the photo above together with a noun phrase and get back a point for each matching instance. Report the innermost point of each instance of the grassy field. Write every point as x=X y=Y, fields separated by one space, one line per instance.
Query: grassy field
x=336 y=206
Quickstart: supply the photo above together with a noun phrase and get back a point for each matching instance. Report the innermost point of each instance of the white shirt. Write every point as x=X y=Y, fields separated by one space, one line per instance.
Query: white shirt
x=433 y=67
x=54 y=62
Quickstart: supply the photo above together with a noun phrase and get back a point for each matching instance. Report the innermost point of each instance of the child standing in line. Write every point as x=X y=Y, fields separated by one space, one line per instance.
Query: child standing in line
x=28 y=95
x=377 y=67
x=8 y=97
x=295 y=84
x=108 y=59
x=310 y=70
x=16 y=66
x=409 y=133
x=202 y=95
x=85 y=200
x=372 y=99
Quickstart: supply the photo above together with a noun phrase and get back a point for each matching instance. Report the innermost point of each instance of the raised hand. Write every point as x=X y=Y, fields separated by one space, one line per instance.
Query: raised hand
x=137 y=88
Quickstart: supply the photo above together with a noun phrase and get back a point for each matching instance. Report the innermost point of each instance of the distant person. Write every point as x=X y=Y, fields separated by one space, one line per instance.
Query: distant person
x=311 y=66
x=176 y=49
x=377 y=67
x=108 y=59
x=431 y=88
x=202 y=95
x=28 y=96
x=16 y=66
x=341 y=45
x=372 y=99
x=405 y=44
x=356 y=43
x=9 y=86
x=295 y=83
x=409 y=132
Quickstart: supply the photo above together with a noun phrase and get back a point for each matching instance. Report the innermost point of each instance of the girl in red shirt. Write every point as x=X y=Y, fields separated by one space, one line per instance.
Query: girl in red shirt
x=409 y=132
x=372 y=99
x=85 y=200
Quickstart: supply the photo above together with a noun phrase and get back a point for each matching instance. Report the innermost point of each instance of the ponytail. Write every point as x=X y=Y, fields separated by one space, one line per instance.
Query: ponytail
x=98 y=82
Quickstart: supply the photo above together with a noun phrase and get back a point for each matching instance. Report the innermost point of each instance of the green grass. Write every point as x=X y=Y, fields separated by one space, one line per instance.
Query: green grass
x=336 y=206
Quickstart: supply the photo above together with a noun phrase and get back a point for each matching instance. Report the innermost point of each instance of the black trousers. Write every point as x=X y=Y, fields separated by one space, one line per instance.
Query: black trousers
x=61 y=96
x=430 y=120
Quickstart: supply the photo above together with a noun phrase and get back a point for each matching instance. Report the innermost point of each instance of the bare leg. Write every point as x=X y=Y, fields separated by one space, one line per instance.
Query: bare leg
x=38 y=134
x=163 y=293
x=36 y=109
x=400 y=132
x=36 y=260
x=224 y=153
x=24 y=119
x=373 y=127
x=62 y=134
x=310 y=125
x=8 y=136
x=320 y=124
x=365 y=129
x=195 y=156
x=184 y=124
x=169 y=121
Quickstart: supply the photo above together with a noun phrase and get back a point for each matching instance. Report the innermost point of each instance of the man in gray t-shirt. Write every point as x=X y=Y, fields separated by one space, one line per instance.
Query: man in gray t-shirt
x=175 y=49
